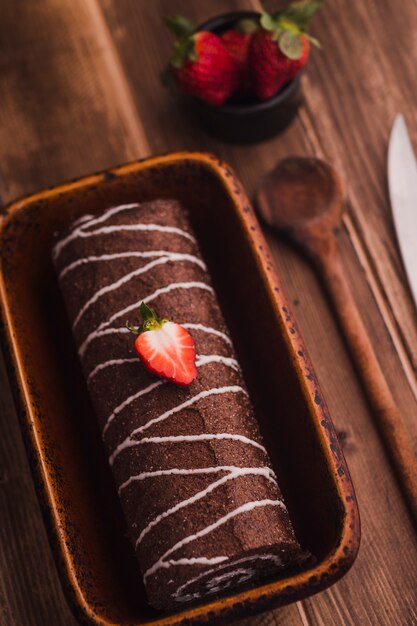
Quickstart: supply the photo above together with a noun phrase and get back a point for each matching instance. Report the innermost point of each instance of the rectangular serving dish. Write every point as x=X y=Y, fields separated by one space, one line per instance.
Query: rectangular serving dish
x=96 y=563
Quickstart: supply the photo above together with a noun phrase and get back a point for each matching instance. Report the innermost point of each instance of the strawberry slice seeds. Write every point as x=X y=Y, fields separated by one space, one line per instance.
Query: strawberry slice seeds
x=164 y=347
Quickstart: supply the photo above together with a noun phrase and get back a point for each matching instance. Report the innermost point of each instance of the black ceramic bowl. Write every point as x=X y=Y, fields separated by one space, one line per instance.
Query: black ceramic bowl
x=250 y=121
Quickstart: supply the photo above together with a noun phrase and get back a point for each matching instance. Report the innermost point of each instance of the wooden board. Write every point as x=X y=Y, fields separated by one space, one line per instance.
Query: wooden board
x=81 y=91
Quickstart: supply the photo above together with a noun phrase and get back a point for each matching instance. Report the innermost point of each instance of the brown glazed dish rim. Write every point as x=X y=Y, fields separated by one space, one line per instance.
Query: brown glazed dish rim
x=266 y=596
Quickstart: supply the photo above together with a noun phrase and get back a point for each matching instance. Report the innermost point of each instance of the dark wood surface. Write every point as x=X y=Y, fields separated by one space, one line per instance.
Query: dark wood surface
x=80 y=91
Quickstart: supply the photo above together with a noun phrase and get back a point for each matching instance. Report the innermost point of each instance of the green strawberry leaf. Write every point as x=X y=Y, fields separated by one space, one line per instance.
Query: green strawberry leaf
x=268 y=22
x=277 y=34
x=290 y=45
x=179 y=25
x=147 y=312
x=313 y=40
x=247 y=26
x=183 y=49
x=287 y=25
x=133 y=329
x=300 y=12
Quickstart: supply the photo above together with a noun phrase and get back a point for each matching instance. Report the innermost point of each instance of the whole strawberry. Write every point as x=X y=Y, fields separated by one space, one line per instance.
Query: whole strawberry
x=280 y=48
x=237 y=42
x=201 y=64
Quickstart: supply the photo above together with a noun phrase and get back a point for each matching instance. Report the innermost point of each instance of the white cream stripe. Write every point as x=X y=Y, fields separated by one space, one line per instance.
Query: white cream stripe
x=189 y=438
x=98 y=220
x=131 y=399
x=175 y=471
x=158 y=292
x=240 y=471
x=205 y=359
x=111 y=362
x=124 y=255
x=209 y=330
x=106 y=331
x=195 y=560
x=123 y=329
x=175 y=256
x=109 y=212
x=176 y=409
x=154 y=295
x=254 y=557
x=117 y=228
x=83 y=218
x=244 y=508
x=201 y=360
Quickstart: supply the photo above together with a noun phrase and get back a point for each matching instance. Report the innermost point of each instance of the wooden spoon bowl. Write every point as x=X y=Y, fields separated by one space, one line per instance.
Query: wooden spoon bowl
x=303 y=197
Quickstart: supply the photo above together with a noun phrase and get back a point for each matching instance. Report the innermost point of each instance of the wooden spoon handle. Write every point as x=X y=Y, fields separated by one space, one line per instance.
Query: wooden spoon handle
x=385 y=411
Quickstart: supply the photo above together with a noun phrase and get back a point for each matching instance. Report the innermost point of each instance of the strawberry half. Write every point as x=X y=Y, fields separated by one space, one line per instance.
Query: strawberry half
x=165 y=348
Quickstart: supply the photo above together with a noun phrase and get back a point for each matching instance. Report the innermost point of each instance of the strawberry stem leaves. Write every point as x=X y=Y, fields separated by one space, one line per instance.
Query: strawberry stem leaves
x=288 y=26
x=247 y=26
x=290 y=45
x=184 y=47
x=133 y=329
x=301 y=12
x=147 y=312
x=179 y=25
x=268 y=22
x=150 y=320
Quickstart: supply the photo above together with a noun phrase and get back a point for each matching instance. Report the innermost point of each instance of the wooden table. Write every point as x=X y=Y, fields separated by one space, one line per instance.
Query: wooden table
x=80 y=91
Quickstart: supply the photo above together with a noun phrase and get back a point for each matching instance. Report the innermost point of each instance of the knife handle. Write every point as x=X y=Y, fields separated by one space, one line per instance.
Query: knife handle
x=385 y=411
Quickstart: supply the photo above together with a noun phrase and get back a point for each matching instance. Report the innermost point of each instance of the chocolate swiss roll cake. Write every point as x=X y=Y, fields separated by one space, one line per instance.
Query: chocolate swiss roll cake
x=203 y=509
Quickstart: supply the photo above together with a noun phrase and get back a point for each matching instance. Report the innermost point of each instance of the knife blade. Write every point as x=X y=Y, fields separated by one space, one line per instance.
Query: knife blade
x=402 y=183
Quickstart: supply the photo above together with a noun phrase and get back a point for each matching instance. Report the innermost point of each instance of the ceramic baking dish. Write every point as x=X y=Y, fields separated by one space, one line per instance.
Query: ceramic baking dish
x=97 y=565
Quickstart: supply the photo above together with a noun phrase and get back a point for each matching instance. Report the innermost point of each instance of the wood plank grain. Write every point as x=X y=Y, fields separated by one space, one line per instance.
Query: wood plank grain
x=81 y=91
x=65 y=105
x=388 y=558
x=371 y=88
x=65 y=112
x=30 y=592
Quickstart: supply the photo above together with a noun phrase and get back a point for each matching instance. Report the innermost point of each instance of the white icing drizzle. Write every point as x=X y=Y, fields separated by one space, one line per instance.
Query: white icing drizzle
x=117 y=228
x=244 y=508
x=175 y=471
x=124 y=255
x=201 y=360
x=203 y=394
x=239 y=471
x=97 y=332
x=209 y=330
x=110 y=363
x=131 y=399
x=171 y=287
x=205 y=359
x=254 y=557
x=188 y=438
x=174 y=256
x=105 y=331
x=83 y=218
x=98 y=220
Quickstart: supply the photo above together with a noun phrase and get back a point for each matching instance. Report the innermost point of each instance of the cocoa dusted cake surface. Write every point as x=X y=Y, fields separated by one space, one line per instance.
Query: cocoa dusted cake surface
x=203 y=509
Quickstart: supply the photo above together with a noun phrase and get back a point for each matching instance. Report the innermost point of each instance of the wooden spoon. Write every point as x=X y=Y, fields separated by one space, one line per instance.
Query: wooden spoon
x=303 y=197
